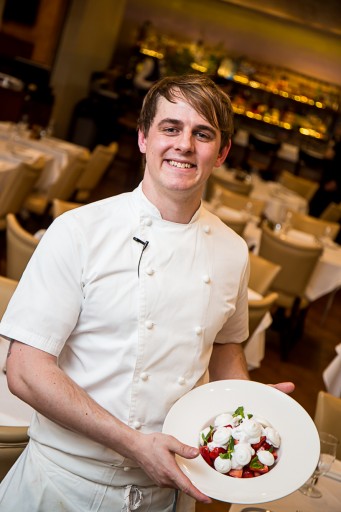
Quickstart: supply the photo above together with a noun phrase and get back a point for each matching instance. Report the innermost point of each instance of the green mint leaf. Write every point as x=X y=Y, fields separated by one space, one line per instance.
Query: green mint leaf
x=239 y=412
x=256 y=464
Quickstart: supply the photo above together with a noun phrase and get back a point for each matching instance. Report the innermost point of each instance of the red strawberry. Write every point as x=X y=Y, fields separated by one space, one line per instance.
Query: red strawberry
x=205 y=453
x=256 y=446
x=236 y=473
x=216 y=451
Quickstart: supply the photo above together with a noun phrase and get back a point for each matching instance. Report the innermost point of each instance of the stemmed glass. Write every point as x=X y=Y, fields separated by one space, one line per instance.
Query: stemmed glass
x=328 y=444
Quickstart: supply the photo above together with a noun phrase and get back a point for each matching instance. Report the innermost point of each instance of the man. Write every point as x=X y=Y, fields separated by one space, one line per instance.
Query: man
x=124 y=305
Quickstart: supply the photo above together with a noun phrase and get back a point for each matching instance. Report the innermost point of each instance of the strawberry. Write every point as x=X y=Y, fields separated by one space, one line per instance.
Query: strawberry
x=236 y=473
x=247 y=473
x=256 y=446
x=205 y=453
x=215 y=452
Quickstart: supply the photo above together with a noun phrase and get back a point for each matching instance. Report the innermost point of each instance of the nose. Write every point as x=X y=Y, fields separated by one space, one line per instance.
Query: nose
x=185 y=142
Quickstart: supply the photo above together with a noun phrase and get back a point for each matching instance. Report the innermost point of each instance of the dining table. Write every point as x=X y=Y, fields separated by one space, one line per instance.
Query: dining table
x=254 y=349
x=17 y=146
x=326 y=276
x=332 y=374
x=278 y=199
x=329 y=485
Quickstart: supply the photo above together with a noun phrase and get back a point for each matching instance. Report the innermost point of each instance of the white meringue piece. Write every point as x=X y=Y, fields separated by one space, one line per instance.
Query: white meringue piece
x=204 y=432
x=272 y=436
x=265 y=457
x=222 y=465
x=222 y=435
x=224 y=419
x=242 y=455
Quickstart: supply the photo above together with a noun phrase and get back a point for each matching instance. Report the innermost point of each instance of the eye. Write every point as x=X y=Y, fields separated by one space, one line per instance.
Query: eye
x=170 y=130
x=205 y=136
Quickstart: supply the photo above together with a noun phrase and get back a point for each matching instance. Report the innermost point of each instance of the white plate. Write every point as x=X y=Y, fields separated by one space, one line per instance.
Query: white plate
x=298 y=454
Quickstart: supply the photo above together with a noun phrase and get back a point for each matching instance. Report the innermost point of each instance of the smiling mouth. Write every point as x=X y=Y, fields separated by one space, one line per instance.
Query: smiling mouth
x=180 y=165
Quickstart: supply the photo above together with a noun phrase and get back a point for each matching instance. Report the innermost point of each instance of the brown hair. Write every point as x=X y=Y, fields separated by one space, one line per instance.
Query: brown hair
x=200 y=92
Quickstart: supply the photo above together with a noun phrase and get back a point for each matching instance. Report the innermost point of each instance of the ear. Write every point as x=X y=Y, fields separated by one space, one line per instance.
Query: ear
x=142 y=142
x=223 y=154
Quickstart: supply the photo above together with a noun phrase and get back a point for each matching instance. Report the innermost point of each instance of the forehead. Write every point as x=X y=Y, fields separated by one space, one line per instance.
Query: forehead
x=179 y=108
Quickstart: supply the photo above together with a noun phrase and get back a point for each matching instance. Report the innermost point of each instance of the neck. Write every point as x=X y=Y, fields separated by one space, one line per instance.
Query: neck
x=174 y=206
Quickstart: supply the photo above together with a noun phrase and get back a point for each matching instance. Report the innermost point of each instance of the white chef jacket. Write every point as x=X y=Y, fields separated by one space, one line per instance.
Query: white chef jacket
x=134 y=331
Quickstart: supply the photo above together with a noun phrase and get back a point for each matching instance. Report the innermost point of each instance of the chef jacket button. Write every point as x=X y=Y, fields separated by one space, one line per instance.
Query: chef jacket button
x=137 y=424
x=126 y=468
x=144 y=376
x=148 y=221
x=149 y=324
x=207 y=229
x=198 y=330
x=150 y=271
x=206 y=279
x=181 y=380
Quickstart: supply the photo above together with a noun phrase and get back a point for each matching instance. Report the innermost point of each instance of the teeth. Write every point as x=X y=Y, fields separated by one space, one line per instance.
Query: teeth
x=179 y=164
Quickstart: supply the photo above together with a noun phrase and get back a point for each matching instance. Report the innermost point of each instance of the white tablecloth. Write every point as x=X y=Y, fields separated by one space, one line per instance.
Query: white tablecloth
x=329 y=502
x=255 y=347
x=332 y=374
x=278 y=199
x=326 y=276
x=12 y=410
x=56 y=153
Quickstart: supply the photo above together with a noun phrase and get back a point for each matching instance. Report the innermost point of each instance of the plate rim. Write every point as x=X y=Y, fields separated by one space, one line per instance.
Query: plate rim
x=234 y=491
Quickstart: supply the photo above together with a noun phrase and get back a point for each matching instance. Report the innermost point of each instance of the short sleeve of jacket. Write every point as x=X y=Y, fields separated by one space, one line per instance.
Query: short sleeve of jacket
x=46 y=304
x=236 y=329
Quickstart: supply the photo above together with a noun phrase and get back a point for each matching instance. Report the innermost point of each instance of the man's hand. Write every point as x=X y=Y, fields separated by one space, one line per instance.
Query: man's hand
x=286 y=387
x=156 y=457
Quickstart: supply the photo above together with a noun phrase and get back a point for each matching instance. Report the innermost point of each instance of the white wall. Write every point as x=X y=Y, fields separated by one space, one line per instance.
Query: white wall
x=87 y=44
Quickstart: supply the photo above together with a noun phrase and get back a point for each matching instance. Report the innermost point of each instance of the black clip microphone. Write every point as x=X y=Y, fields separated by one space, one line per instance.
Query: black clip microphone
x=145 y=244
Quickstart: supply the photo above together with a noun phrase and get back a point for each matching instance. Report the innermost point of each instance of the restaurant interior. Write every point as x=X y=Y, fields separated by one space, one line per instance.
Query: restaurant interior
x=73 y=74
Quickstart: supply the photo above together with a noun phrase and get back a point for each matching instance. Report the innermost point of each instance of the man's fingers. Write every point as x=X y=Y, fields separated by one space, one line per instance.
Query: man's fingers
x=285 y=387
x=186 y=486
x=186 y=451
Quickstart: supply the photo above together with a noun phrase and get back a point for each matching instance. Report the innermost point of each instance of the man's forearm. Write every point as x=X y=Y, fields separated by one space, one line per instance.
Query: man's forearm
x=228 y=362
x=34 y=377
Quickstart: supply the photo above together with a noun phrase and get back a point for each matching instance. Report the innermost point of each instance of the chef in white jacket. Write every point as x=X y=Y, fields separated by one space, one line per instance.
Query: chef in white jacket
x=124 y=306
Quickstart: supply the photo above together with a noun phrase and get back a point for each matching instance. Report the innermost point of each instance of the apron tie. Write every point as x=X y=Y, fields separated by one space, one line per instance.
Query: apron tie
x=133 y=498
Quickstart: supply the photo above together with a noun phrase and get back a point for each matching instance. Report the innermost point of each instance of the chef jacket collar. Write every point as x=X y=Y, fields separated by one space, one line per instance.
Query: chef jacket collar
x=149 y=208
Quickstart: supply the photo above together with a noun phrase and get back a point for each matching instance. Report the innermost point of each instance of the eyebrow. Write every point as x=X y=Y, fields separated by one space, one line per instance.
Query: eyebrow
x=177 y=122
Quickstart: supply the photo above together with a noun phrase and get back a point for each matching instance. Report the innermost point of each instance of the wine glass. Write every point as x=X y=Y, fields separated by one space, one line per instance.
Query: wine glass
x=326 y=237
x=328 y=445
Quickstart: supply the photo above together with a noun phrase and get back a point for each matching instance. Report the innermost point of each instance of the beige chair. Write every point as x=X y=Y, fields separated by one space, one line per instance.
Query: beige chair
x=258 y=309
x=20 y=245
x=237 y=201
x=262 y=273
x=313 y=225
x=238 y=225
x=13 y=440
x=302 y=186
x=328 y=416
x=63 y=188
x=101 y=158
x=59 y=206
x=18 y=187
x=332 y=213
x=7 y=287
x=297 y=262
x=228 y=181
